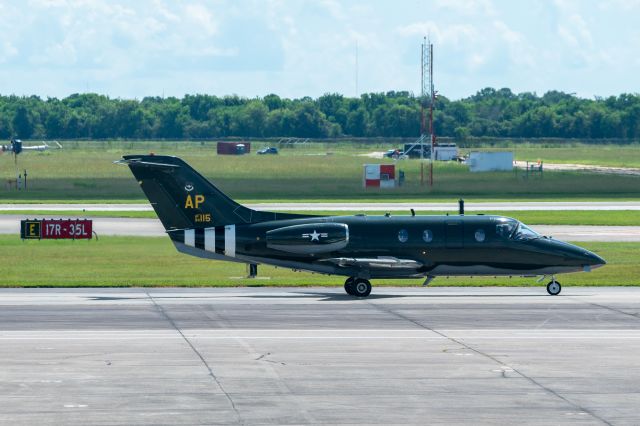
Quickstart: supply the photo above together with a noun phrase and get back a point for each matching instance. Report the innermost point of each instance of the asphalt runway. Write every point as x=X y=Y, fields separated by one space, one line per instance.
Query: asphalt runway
x=10 y=224
x=418 y=206
x=316 y=356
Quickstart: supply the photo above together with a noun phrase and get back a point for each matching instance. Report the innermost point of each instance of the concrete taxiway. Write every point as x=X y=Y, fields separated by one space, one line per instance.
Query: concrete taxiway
x=10 y=224
x=317 y=356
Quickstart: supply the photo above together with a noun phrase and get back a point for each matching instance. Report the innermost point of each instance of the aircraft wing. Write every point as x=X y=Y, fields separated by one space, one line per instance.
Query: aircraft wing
x=42 y=147
x=36 y=147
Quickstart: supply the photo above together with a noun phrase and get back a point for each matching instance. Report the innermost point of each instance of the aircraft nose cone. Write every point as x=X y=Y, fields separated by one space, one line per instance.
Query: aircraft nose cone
x=594 y=260
x=579 y=256
x=589 y=260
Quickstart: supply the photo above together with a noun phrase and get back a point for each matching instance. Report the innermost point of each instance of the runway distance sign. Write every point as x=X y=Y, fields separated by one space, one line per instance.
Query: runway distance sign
x=56 y=229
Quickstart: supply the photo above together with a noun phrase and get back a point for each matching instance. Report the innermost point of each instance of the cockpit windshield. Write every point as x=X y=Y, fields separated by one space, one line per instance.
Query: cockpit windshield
x=511 y=229
x=523 y=232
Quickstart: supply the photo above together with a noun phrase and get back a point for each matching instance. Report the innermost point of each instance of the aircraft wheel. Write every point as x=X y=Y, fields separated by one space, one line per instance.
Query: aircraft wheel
x=553 y=288
x=361 y=287
x=348 y=286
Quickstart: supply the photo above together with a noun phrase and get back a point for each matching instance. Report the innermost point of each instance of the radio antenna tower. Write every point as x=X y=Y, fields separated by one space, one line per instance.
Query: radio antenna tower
x=427 y=100
x=357 y=94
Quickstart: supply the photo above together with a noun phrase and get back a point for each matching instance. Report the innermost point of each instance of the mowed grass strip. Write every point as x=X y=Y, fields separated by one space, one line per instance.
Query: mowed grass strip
x=535 y=217
x=140 y=261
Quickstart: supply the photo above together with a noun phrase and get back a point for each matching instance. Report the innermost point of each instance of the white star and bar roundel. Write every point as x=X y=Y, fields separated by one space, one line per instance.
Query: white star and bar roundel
x=315 y=236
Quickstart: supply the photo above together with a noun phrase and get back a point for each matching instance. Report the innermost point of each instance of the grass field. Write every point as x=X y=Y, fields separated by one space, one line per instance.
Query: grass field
x=129 y=261
x=568 y=151
x=579 y=217
x=83 y=171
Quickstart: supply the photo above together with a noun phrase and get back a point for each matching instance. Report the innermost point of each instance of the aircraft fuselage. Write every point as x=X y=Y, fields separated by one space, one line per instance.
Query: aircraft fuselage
x=422 y=245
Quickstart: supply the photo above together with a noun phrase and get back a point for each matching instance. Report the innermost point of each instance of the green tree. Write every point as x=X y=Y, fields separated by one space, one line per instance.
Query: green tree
x=357 y=121
x=23 y=124
x=253 y=119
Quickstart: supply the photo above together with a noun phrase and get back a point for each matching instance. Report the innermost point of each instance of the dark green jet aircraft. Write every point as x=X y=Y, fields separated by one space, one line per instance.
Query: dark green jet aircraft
x=204 y=222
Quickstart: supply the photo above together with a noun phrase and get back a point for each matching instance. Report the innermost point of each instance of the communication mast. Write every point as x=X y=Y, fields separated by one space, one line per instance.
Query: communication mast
x=427 y=101
x=357 y=93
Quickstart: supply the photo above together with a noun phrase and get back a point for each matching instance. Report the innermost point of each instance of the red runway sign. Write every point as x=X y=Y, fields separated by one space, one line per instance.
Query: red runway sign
x=54 y=229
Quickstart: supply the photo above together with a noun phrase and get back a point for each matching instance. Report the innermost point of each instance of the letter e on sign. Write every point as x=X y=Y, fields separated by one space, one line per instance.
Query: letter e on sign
x=30 y=229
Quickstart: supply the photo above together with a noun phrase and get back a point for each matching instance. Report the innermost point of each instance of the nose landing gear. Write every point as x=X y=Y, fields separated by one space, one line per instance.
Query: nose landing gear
x=358 y=287
x=554 y=287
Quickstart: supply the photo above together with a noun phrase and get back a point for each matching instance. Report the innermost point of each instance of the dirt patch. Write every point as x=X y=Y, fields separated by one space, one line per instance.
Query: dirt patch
x=630 y=171
x=375 y=154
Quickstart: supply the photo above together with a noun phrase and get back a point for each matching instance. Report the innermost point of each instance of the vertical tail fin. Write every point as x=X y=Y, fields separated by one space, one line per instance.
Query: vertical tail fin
x=184 y=199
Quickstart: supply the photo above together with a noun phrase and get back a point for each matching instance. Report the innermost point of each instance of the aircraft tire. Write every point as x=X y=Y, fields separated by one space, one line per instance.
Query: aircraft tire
x=348 y=286
x=554 y=288
x=361 y=287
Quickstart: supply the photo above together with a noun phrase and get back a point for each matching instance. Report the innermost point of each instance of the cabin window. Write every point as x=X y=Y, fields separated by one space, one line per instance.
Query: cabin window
x=479 y=235
x=403 y=236
x=427 y=235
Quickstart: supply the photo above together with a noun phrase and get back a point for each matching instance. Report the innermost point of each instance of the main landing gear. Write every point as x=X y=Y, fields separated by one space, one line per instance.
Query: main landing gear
x=358 y=287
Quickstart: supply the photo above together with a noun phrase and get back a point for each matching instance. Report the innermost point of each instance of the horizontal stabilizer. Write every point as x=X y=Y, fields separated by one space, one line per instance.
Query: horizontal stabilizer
x=139 y=162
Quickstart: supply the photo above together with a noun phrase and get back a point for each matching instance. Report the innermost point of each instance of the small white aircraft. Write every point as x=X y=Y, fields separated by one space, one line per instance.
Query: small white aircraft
x=16 y=147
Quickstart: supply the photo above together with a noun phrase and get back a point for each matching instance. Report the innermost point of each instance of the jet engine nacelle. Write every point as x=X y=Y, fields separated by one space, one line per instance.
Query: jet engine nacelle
x=312 y=238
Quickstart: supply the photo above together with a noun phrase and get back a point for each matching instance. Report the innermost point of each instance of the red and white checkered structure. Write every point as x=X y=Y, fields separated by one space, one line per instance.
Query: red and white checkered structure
x=379 y=176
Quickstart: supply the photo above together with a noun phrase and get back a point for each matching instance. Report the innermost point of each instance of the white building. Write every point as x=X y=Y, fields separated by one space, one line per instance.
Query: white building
x=490 y=161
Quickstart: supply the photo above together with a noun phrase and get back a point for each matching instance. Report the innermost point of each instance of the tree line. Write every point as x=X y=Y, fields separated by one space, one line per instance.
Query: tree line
x=490 y=112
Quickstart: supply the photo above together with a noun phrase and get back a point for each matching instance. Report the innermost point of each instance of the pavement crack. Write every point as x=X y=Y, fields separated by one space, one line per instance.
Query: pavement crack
x=502 y=364
x=281 y=383
x=609 y=308
x=199 y=355
x=263 y=357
